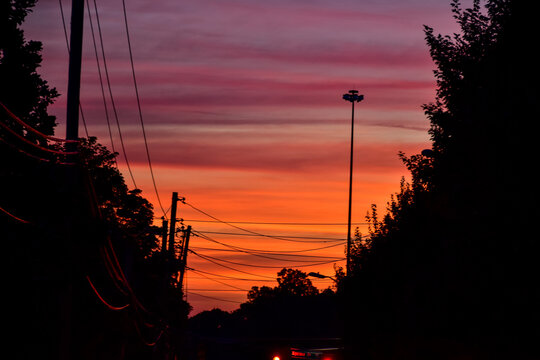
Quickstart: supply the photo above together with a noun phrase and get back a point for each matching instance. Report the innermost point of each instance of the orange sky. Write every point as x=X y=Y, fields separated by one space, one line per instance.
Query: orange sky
x=244 y=117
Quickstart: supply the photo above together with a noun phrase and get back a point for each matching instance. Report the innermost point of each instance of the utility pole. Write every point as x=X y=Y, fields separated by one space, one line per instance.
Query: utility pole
x=71 y=177
x=74 y=74
x=353 y=97
x=183 y=256
x=172 y=229
x=164 y=224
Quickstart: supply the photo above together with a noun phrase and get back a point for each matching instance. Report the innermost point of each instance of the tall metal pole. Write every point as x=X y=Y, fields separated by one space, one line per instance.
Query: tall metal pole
x=350 y=194
x=353 y=97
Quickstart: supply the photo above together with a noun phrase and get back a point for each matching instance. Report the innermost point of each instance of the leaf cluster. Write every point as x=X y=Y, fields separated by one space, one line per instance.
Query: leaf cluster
x=444 y=263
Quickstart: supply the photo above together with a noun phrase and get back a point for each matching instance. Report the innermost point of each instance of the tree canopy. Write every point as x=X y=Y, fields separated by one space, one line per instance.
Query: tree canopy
x=449 y=266
x=85 y=276
x=288 y=314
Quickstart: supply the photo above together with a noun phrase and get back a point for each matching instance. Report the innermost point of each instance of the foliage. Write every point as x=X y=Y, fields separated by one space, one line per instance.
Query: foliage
x=291 y=282
x=123 y=209
x=63 y=217
x=431 y=274
x=23 y=90
x=294 y=309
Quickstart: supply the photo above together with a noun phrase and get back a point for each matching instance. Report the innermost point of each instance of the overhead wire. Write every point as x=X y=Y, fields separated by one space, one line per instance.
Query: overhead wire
x=207 y=257
x=24 y=152
x=113 y=267
x=22 y=138
x=33 y=130
x=221 y=276
x=112 y=264
x=275 y=223
x=280 y=236
x=214 y=298
x=268 y=257
x=30 y=129
x=206 y=237
x=107 y=77
x=228 y=267
x=262 y=252
x=221 y=282
x=14 y=217
x=106 y=303
x=140 y=110
x=101 y=80
x=247 y=230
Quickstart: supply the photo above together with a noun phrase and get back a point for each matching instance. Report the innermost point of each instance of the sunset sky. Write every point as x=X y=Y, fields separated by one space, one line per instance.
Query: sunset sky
x=242 y=107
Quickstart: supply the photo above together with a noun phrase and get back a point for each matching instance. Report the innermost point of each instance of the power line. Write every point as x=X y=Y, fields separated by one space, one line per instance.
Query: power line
x=106 y=303
x=265 y=279
x=24 y=152
x=278 y=259
x=33 y=130
x=275 y=223
x=228 y=267
x=213 y=298
x=263 y=252
x=225 y=290
x=22 y=138
x=14 y=217
x=260 y=253
x=206 y=257
x=101 y=80
x=241 y=228
x=220 y=282
x=238 y=248
x=139 y=108
x=280 y=236
x=111 y=95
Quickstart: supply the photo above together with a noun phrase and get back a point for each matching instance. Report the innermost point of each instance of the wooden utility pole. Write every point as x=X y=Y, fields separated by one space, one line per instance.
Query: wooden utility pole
x=164 y=224
x=183 y=257
x=172 y=229
x=74 y=75
x=71 y=175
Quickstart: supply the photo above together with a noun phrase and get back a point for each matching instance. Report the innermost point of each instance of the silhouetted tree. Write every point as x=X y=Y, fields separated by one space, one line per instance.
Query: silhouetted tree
x=288 y=314
x=123 y=209
x=54 y=231
x=448 y=270
x=291 y=282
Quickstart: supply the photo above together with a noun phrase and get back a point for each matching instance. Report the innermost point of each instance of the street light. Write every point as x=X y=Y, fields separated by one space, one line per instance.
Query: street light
x=353 y=97
x=320 y=276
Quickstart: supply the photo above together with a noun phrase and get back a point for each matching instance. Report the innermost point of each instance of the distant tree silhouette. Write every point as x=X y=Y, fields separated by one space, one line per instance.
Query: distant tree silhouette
x=283 y=315
x=448 y=270
x=291 y=282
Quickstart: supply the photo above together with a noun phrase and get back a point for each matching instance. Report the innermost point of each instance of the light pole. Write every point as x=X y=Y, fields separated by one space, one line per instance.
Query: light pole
x=353 y=97
x=321 y=276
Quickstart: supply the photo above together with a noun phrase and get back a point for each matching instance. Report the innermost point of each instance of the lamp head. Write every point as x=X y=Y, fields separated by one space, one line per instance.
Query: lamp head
x=353 y=96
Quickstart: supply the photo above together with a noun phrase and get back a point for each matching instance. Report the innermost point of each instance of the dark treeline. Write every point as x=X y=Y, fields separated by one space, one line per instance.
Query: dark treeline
x=272 y=320
x=451 y=269
x=85 y=279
